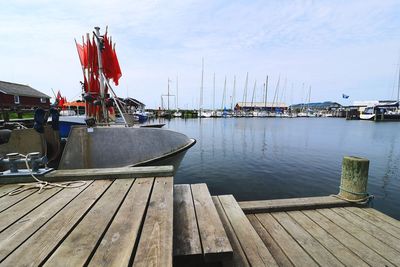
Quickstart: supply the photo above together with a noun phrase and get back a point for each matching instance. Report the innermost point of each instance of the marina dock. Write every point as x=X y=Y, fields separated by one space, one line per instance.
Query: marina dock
x=139 y=217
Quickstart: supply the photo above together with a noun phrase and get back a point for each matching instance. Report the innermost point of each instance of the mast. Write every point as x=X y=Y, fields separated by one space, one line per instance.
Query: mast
x=276 y=92
x=168 y=95
x=254 y=91
x=398 y=89
x=99 y=58
x=309 y=99
x=234 y=92
x=245 y=90
x=177 y=104
x=266 y=93
x=224 y=95
x=201 y=87
x=214 y=93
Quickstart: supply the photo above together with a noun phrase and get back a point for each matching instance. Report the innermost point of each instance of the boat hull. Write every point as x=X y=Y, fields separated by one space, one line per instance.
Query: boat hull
x=108 y=147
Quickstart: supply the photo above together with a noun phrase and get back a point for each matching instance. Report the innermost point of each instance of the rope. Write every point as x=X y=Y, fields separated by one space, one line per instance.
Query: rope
x=42 y=185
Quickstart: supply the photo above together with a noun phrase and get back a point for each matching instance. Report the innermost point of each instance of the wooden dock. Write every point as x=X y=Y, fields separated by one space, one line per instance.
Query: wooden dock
x=148 y=221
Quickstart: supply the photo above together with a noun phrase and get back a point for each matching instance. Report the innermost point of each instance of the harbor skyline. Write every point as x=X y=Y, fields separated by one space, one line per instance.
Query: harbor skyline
x=336 y=48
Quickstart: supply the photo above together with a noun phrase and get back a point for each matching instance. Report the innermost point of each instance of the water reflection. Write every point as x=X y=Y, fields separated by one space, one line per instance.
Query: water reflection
x=261 y=158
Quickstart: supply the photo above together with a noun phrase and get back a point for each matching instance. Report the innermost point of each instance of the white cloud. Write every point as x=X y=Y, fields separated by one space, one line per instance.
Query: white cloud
x=336 y=46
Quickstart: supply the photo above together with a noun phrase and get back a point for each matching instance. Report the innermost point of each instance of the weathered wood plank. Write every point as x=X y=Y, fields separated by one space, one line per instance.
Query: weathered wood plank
x=275 y=205
x=279 y=256
x=290 y=247
x=53 y=232
x=5 y=189
x=117 y=245
x=8 y=201
x=215 y=242
x=319 y=253
x=83 y=239
x=155 y=244
x=16 y=234
x=239 y=257
x=342 y=253
x=363 y=251
x=368 y=240
x=387 y=227
x=256 y=251
x=383 y=216
x=96 y=174
x=186 y=233
x=24 y=206
x=372 y=229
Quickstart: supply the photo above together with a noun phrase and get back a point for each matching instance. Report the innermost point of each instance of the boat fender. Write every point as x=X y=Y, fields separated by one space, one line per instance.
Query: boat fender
x=55 y=119
x=39 y=119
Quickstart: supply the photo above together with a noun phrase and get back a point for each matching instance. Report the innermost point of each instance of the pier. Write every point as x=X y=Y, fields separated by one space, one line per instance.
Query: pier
x=137 y=216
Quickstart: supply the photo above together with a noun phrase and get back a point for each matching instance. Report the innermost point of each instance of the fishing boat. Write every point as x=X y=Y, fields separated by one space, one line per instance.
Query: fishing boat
x=99 y=143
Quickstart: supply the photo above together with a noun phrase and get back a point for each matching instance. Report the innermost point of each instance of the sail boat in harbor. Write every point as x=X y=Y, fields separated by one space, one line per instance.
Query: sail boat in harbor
x=177 y=113
x=202 y=113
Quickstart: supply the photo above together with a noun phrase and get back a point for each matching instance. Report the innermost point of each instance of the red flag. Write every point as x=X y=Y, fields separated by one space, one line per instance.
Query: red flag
x=117 y=69
x=82 y=54
x=58 y=95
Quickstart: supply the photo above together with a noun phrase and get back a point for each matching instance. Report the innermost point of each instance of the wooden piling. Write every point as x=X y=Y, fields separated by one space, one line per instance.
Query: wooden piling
x=353 y=184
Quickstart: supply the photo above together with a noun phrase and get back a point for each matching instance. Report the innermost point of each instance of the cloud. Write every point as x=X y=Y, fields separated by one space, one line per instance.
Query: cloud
x=334 y=46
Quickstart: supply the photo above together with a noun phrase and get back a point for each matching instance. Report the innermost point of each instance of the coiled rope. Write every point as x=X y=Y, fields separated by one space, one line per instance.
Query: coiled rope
x=40 y=184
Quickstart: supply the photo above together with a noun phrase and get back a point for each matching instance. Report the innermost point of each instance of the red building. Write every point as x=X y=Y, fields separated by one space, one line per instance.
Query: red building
x=17 y=97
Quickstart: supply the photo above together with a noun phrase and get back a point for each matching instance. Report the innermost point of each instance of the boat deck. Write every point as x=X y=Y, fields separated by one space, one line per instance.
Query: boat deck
x=151 y=222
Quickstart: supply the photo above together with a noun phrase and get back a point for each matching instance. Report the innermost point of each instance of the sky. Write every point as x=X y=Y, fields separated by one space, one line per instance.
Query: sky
x=334 y=47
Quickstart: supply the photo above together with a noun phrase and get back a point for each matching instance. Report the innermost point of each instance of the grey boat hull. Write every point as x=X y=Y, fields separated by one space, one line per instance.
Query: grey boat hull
x=108 y=147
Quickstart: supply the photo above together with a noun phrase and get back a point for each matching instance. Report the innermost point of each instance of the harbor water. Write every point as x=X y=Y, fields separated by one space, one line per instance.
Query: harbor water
x=270 y=158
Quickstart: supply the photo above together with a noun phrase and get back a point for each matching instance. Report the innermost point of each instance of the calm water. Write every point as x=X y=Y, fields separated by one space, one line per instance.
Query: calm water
x=266 y=158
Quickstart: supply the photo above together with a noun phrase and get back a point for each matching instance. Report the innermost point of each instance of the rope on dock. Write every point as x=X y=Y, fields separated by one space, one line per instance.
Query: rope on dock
x=42 y=185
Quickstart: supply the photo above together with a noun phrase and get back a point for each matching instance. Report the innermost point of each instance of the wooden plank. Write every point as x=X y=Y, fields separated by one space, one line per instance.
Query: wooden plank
x=186 y=233
x=368 y=240
x=239 y=257
x=363 y=251
x=155 y=244
x=318 y=252
x=83 y=239
x=8 y=201
x=342 y=253
x=5 y=189
x=372 y=229
x=215 y=242
x=16 y=234
x=279 y=256
x=387 y=227
x=275 y=205
x=290 y=247
x=256 y=251
x=23 y=207
x=117 y=245
x=46 y=239
x=383 y=216
x=96 y=174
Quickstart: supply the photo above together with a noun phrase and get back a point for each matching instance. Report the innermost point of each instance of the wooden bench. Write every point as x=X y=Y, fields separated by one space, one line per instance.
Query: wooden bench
x=199 y=236
x=248 y=247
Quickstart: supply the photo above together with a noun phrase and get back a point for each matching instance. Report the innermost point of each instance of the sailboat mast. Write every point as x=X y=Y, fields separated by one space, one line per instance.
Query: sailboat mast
x=266 y=93
x=214 y=92
x=177 y=99
x=254 y=92
x=168 y=96
x=201 y=88
x=398 y=88
x=224 y=95
x=309 y=99
x=234 y=92
x=245 y=90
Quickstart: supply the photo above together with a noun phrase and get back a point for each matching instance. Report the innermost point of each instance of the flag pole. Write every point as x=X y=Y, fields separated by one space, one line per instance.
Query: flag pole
x=102 y=87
